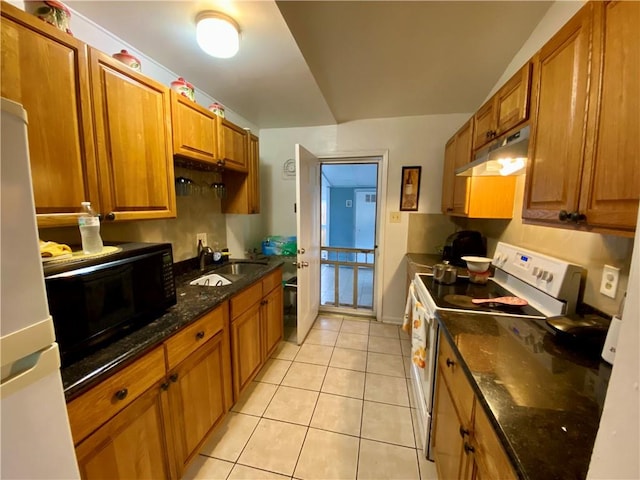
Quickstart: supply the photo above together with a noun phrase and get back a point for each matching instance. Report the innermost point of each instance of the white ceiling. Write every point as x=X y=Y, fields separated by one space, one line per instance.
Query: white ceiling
x=323 y=62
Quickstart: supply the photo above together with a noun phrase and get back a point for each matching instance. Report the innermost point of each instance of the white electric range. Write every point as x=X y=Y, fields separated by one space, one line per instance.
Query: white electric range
x=550 y=286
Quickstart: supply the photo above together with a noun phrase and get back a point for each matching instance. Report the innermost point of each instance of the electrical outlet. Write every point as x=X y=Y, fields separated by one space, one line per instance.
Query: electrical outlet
x=394 y=217
x=203 y=237
x=609 y=282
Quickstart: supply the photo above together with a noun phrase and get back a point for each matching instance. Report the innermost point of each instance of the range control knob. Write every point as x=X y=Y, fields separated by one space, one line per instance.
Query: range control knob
x=547 y=276
x=499 y=259
x=536 y=272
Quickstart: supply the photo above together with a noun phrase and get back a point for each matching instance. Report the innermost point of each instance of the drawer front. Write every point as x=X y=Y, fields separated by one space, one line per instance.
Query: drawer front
x=456 y=380
x=271 y=281
x=193 y=336
x=243 y=300
x=93 y=408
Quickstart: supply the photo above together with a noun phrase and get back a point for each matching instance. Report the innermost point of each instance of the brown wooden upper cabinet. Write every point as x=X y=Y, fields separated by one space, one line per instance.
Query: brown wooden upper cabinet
x=584 y=155
x=243 y=190
x=473 y=197
x=457 y=153
x=98 y=131
x=133 y=132
x=507 y=109
x=232 y=145
x=46 y=71
x=254 y=174
x=195 y=130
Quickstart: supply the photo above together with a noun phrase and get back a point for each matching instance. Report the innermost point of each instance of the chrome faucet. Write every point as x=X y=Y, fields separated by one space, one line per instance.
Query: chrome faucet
x=203 y=253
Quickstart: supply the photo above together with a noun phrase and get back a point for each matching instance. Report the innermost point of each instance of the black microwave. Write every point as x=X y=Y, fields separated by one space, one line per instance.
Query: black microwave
x=97 y=300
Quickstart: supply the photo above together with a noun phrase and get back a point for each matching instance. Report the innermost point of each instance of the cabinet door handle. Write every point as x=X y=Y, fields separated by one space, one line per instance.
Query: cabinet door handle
x=110 y=216
x=173 y=377
x=200 y=335
x=563 y=215
x=165 y=386
x=577 y=217
x=450 y=363
x=468 y=448
x=463 y=431
x=122 y=394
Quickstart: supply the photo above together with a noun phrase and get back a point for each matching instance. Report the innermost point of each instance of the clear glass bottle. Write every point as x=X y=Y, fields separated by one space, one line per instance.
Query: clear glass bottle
x=89 y=224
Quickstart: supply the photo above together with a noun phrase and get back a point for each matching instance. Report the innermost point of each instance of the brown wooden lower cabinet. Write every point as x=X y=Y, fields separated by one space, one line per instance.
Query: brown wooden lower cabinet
x=489 y=458
x=256 y=329
x=448 y=443
x=273 y=327
x=465 y=445
x=136 y=443
x=147 y=421
x=197 y=393
x=151 y=422
x=246 y=347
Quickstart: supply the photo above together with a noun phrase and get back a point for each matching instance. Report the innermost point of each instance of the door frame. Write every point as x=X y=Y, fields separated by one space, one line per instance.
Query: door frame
x=382 y=158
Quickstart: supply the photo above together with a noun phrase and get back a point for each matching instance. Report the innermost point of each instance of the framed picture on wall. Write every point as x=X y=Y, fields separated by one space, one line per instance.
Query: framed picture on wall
x=410 y=188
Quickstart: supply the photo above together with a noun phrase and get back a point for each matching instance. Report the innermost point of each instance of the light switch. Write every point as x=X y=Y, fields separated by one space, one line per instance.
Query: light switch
x=394 y=217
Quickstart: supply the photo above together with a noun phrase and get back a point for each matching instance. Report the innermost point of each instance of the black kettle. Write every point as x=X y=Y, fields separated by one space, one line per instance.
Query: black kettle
x=462 y=243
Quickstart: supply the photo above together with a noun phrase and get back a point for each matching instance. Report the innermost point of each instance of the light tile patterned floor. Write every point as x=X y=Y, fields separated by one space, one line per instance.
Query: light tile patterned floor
x=338 y=407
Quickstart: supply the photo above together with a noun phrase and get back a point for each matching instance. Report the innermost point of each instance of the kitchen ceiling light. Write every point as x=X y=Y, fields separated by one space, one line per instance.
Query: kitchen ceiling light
x=217 y=34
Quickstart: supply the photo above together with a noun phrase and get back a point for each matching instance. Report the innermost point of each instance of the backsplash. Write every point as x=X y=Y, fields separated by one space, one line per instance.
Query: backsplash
x=427 y=232
x=199 y=212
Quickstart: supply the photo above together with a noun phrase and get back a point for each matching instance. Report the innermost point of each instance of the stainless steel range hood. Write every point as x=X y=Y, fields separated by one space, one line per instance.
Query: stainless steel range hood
x=503 y=158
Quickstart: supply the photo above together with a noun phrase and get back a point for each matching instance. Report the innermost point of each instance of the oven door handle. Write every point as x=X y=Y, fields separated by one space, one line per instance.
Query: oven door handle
x=419 y=312
x=416 y=304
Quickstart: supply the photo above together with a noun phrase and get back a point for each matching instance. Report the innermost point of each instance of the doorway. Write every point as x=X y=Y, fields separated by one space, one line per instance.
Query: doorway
x=349 y=230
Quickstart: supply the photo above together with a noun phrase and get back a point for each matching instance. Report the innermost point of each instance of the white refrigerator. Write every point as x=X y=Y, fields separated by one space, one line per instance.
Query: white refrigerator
x=35 y=437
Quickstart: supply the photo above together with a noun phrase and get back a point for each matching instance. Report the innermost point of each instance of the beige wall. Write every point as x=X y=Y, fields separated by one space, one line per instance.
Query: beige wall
x=197 y=213
x=427 y=232
x=417 y=140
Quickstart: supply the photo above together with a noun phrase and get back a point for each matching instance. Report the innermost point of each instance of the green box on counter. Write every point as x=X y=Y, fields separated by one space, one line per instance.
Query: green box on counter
x=279 y=245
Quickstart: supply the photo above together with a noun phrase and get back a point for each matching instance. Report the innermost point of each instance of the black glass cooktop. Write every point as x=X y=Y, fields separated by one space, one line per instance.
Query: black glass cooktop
x=458 y=296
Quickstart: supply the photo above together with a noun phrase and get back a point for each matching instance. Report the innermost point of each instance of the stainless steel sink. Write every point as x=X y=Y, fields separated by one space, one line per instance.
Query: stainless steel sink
x=227 y=274
x=239 y=268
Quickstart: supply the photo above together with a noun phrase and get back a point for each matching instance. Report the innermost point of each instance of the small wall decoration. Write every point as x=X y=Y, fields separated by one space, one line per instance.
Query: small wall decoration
x=289 y=169
x=410 y=188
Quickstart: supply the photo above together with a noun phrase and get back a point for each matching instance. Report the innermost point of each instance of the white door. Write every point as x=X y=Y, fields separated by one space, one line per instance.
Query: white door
x=365 y=222
x=308 y=231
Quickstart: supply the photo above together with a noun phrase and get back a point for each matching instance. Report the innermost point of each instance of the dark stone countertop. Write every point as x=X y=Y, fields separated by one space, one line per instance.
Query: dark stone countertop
x=544 y=394
x=192 y=303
